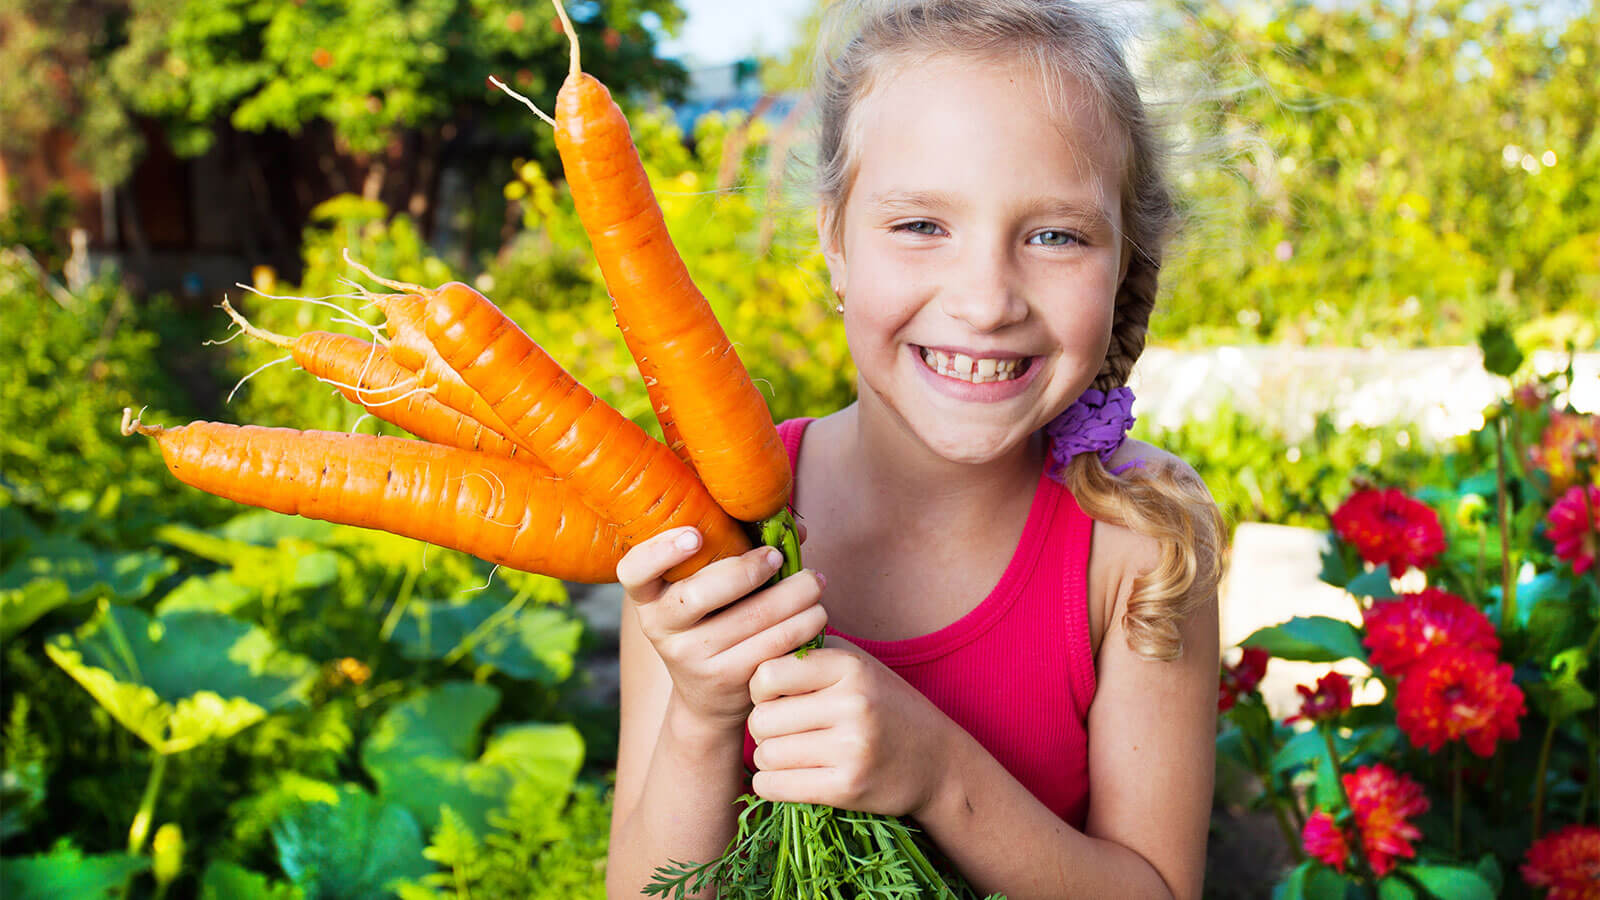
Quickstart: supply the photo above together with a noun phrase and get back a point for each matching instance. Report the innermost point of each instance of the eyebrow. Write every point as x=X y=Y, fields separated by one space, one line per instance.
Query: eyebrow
x=1089 y=216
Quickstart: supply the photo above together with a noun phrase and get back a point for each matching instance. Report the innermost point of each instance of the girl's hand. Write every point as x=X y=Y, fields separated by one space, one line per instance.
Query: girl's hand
x=840 y=728
x=715 y=627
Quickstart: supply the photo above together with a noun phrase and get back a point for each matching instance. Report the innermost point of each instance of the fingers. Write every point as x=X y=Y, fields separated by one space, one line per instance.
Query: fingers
x=807 y=750
x=640 y=569
x=786 y=675
x=798 y=785
x=772 y=719
x=775 y=605
x=781 y=638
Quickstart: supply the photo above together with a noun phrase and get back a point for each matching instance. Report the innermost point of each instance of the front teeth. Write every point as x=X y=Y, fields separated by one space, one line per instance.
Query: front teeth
x=964 y=367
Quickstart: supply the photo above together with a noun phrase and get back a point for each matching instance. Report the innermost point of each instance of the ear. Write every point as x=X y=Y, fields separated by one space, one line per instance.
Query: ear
x=832 y=250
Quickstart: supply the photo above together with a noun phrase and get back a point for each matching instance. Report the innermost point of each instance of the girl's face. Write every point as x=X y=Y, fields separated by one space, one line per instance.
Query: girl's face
x=979 y=255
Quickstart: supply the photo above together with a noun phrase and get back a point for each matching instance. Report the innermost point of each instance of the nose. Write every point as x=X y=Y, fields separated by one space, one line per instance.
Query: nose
x=984 y=290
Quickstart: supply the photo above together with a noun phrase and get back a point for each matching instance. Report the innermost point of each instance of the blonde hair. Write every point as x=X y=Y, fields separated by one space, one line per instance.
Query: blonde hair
x=1067 y=44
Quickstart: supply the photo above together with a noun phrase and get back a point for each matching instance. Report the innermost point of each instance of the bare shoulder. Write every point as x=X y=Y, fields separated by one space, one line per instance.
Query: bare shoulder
x=1119 y=554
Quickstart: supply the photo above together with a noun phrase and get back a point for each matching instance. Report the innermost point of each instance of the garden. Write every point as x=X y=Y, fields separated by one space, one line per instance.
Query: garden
x=203 y=699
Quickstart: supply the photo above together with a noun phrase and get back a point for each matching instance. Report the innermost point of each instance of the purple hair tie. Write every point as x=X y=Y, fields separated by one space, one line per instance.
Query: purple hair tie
x=1098 y=421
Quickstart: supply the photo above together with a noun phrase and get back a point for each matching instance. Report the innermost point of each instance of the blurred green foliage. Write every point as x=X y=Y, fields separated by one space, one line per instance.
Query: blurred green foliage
x=1389 y=173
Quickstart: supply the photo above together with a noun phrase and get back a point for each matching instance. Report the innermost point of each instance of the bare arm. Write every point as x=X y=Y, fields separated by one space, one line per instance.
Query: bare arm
x=677 y=778
x=687 y=654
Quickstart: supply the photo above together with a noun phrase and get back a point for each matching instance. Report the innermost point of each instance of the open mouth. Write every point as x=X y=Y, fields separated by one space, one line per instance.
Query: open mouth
x=975 y=370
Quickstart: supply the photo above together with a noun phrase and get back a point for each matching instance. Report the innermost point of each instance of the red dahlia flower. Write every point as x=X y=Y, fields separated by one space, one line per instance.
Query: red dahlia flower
x=1575 y=527
x=1383 y=802
x=1557 y=452
x=1459 y=694
x=1325 y=841
x=1401 y=631
x=1386 y=526
x=1241 y=678
x=1567 y=863
x=1330 y=698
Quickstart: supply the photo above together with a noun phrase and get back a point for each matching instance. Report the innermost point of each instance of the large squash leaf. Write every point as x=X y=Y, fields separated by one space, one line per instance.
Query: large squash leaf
x=421 y=755
x=66 y=872
x=527 y=644
x=351 y=849
x=182 y=678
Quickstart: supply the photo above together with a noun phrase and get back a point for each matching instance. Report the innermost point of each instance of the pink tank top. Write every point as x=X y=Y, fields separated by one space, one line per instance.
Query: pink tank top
x=1017 y=672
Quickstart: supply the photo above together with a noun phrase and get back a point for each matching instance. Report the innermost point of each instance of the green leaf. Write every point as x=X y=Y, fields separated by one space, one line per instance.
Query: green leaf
x=1298 y=752
x=183 y=678
x=290 y=564
x=1392 y=888
x=1333 y=571
x=528 y=644
x=1293 y=887
x=89 y=573
x=22 y=606
x=1376 y=582
x=229 y=881
x=1309 y=638
x=352 y=849
x=1561 y=694
x=266 y=528
x=65 y=872
x=217 y=593
x=22 y=792
x=1450 y=882
x=1558 y=617
x=420 y=754
x=1501 y=356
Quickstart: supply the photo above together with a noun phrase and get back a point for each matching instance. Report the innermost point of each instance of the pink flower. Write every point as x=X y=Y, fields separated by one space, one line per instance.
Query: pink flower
x=1459 y=694
x=1382 y=803
x=1242 y=678
x=1575 y=527
x=1325 y=841
x=1401 y=631
x=1386 y=526
x=1566 y=863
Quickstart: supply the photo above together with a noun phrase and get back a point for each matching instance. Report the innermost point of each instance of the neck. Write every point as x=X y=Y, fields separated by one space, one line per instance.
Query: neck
x=896 y=472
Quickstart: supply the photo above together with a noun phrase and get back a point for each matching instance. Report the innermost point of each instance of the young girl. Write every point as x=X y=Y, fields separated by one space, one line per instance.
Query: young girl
x=1022 y=649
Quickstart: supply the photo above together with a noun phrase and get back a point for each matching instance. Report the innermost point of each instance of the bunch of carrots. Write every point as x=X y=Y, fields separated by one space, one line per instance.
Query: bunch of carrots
x=521 y=465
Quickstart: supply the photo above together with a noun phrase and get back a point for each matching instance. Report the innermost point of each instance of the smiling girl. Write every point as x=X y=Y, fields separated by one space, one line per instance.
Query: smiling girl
x=1020 y=602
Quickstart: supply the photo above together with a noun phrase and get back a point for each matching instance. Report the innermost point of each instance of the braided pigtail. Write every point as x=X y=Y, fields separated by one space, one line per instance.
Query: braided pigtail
x=1162 y=502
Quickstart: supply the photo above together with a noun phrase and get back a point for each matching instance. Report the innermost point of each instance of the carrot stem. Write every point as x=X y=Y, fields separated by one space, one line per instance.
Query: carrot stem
x=277 y=340
x=572 y=36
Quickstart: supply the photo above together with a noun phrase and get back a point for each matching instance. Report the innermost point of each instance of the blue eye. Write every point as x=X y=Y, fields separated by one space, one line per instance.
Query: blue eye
x=1054 y=238
x=920 y=226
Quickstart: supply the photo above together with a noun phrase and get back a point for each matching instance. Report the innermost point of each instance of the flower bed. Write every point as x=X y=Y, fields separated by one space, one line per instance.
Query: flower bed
x=1477 y=772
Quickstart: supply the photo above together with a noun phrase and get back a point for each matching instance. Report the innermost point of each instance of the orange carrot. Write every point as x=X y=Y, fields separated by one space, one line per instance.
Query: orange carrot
x=627 y=476
x=495 y=508
x=698 y=387
x=366 y=375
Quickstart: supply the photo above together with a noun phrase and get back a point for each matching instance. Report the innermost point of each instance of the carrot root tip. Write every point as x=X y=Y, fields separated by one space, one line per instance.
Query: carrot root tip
x=131 y=424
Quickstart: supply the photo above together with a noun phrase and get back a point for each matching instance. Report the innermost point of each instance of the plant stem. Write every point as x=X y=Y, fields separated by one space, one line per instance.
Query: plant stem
x=1455 y=800
x=147 y=805
x=1290 y=836
x=1508 y=588
x=1344 y=796
x=400 y=603
x=1540 y=773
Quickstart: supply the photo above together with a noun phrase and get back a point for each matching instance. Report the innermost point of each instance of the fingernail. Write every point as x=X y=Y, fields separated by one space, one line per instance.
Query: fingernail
x=822 y=580
x=774 y=558
x=688 y=540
